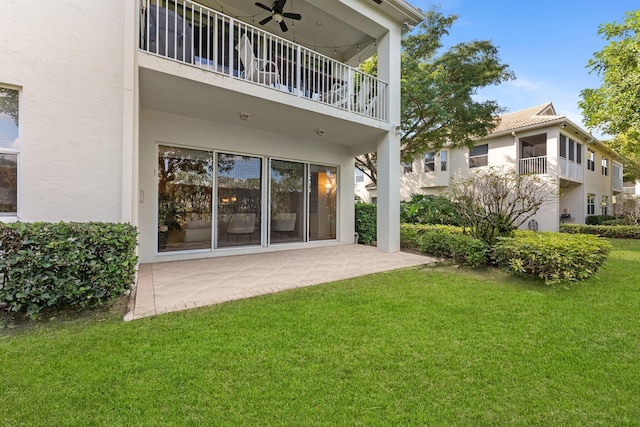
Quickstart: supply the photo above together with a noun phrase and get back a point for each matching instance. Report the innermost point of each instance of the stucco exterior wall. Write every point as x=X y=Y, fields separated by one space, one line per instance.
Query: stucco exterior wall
x=67 y=60
x=169 y=129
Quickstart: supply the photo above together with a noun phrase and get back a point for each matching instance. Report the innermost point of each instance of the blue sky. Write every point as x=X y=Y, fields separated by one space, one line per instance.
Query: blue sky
x=546 y=43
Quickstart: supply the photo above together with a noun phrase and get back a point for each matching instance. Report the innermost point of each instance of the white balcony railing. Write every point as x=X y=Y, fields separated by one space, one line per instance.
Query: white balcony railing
x=570 y=169
x=194 y=34
x=533 y=166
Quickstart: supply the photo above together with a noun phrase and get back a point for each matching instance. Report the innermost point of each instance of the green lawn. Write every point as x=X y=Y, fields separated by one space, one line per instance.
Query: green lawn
x=415 y=347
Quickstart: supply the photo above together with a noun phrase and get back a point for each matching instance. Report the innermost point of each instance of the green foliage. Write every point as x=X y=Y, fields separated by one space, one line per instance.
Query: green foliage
x=65 y=264
x=609 y=231
x=422 y=209
x=366 y=223
x=445 y=241
x=554 y=257
x=411 y=234
x=598 y=219
x=438 y=88
x=614 y=108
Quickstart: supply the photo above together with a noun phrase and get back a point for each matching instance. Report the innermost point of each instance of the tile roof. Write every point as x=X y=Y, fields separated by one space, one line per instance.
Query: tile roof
x=524 y=118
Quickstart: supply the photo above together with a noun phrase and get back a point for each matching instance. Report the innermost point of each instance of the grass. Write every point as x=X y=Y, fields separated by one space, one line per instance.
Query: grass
x=437 y=346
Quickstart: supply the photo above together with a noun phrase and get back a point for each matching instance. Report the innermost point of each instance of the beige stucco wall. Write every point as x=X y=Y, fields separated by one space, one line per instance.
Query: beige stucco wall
x=67 y=59
x=158 y=127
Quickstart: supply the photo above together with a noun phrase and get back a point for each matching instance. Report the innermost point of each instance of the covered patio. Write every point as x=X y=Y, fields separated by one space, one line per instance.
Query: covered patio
x=181 y=285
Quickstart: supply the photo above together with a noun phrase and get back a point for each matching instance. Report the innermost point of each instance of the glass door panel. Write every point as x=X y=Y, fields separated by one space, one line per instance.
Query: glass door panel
x=185 y=184
x=287 y=202
x=239 y=185
x=322 y=202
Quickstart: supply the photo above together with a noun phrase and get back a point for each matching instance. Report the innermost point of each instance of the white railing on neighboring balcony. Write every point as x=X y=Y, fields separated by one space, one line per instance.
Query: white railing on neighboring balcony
x=533 y=166
x=570 y=169
x=194 y=34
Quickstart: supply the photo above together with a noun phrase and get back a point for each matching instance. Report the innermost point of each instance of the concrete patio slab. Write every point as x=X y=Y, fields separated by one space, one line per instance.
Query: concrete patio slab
x=180 y=285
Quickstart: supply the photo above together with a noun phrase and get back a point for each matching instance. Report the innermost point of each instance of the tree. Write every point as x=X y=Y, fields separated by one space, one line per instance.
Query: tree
x=614 y=108
x=628 y=146
x=493 y=202
x=437 y=91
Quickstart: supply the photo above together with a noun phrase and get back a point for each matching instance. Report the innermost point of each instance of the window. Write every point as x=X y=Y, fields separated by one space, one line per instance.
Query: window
x=287 y=201
x=579 y=153
x=591 y=159
x=9 y=151
x=604 y=204
x=185 y=180
x=479 y=156
x=323 y=199
x=563 y=146
x=430 y=162
x=605 y=166
x=443 y=160
x=407 y=167
x=591 y=204
x=359 y=175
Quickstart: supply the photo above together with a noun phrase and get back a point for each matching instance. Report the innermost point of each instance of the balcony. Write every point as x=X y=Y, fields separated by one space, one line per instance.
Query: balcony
x=201 y=37
x=533 y=166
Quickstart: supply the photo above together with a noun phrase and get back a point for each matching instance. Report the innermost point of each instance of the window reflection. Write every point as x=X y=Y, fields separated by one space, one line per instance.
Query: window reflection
x=287 y=201
x=239 y=200
x=184 y=199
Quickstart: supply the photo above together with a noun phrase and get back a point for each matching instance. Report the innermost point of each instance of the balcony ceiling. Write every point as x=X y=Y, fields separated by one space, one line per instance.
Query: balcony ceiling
x=290 y=116
x=349 y=38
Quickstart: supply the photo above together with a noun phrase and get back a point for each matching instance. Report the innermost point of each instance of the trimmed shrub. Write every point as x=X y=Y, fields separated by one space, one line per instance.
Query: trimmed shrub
x=553 y=257
x=366 y=214
x=65 y=264
x=410 y=233
x=598 y=219
x=449 y=242
x=609 y=231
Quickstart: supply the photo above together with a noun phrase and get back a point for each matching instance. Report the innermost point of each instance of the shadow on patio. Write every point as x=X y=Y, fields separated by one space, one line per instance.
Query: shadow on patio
x=181 y=285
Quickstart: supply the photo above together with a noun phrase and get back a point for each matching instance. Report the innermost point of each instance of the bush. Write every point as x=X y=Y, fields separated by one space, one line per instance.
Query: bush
x=366 y=214
x=65 y=264
x=609 y=231
x=424 y=209
x=410 y=234
x=598 y=219
x=553 y=257
x=449 y=242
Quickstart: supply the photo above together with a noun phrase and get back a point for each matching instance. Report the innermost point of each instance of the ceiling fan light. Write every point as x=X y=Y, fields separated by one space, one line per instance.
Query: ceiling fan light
x=277 y=17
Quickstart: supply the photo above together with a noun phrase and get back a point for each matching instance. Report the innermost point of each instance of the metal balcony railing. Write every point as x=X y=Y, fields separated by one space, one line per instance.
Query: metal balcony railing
x=197 y=35
x=533 y=166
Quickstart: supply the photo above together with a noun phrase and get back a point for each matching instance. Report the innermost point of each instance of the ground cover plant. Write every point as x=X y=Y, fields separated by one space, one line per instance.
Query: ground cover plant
x=436 y=346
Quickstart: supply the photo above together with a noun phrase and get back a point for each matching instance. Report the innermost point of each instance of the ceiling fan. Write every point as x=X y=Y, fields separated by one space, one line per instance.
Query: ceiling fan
x=278 y=15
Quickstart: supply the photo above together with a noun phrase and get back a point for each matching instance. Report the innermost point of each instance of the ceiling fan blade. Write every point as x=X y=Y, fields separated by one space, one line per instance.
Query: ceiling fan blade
x=263 y=6
x=280 y=4
x=295 y=16
x=265 y=20
x=283 y=26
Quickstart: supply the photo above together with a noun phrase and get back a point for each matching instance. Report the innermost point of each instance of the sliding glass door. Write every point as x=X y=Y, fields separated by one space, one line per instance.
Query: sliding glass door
x=302 y=200
x=239 y=189
x=287 y=207
x=185 y=180
x=323 y=190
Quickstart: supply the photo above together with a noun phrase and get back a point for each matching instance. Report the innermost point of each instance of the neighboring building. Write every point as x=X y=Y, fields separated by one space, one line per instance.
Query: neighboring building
x=207 y=125
x=585 y=172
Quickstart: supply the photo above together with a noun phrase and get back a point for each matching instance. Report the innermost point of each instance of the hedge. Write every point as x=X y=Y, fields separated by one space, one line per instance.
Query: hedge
x=598 y=219
x=554 y=257
x=445 y=241
x=366 y=214
x=65 y=264
x=609 y=231
x=410 y=233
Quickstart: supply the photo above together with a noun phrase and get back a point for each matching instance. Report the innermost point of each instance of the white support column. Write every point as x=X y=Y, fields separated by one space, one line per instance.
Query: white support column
x=388 y=150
